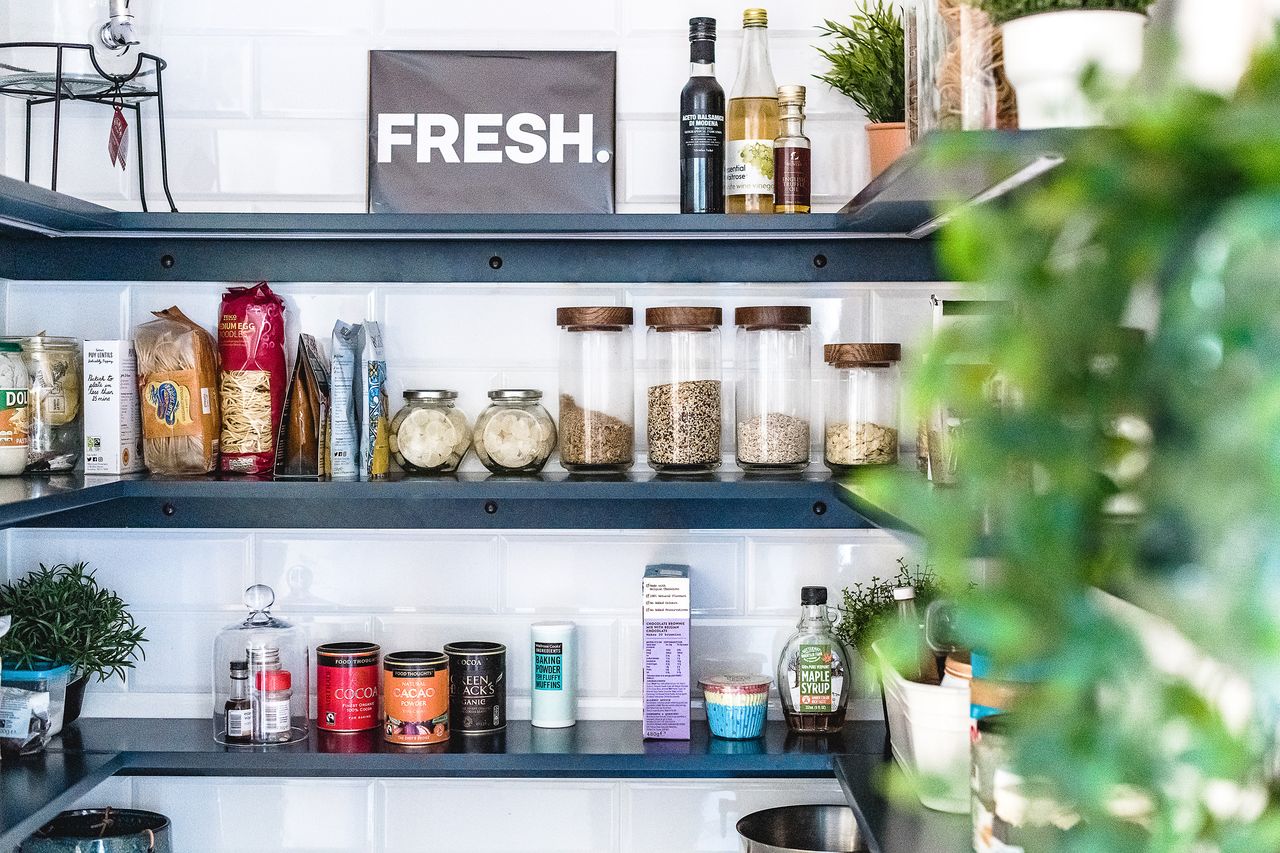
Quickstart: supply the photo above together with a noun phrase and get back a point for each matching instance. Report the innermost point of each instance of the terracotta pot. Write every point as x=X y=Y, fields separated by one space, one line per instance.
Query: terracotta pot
x=885 y=141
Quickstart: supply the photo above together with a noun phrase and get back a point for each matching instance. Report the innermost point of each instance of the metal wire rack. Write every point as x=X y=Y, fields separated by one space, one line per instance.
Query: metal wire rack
x=128 y=91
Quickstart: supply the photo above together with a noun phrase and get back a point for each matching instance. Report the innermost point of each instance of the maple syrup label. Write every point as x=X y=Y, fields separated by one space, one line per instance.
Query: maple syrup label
x=816 y=690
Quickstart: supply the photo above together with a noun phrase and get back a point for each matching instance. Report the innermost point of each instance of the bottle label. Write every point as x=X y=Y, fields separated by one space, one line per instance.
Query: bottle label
x=548 y=666
x=748 y=167
x=791 y=176
x=701 y=135
x=275 y=716
x=240 y=723
x=816 y=690
x=15 y=418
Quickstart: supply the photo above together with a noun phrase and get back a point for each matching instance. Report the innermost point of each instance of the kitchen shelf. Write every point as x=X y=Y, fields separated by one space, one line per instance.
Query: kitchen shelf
x=468 y=501
x=35 y=788
x=877 y=237
x=894 y=825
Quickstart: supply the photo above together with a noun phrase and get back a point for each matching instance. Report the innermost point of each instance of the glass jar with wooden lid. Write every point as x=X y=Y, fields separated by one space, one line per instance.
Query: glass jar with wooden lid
x=863 y=391
x=597 y=389
x=683 y=348
x=771 y=391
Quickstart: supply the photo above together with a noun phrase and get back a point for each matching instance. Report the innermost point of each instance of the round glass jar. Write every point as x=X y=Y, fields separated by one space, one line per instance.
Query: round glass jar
x=863 y=393
x=597 y=389
x=684 y=389
x=771 y=396
x=515 y=435
x=261 y=677
x=429 y=435
x=955 y=76
x=56 y=416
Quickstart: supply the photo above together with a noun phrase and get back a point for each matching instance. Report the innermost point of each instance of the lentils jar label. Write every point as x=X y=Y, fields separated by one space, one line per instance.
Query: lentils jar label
x=15 y=417
x=415 y=691
x=815 y=688
x=347 y=689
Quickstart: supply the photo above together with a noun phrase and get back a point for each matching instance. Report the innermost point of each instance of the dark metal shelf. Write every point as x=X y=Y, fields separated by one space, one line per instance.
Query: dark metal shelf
x=893 y=825
x=34 y=789
x=468 y=501
x=875 y=238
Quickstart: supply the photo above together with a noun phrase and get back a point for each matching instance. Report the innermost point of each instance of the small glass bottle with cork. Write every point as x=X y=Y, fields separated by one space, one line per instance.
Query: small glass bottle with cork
x=791 y=160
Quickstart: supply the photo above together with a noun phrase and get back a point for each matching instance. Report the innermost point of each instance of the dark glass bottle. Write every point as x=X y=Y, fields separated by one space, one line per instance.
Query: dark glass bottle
x=702 y=125
x=238 y=709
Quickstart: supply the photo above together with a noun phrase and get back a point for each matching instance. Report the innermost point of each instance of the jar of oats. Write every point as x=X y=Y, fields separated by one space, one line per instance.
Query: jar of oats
x=863 y=391
x=683 y=349
x=771 y=391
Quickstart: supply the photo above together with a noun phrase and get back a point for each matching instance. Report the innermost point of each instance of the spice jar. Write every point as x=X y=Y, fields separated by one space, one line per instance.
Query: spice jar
x=515 y=435
x=771 y=396
x=272 y=658
x=56 y=423
x=684 y=389
x=862 y=405
x=597 y=390
x=429 y=435
x=15 y=413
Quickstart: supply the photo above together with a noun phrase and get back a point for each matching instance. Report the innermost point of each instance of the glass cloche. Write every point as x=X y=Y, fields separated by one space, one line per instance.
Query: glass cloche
x=261 y=677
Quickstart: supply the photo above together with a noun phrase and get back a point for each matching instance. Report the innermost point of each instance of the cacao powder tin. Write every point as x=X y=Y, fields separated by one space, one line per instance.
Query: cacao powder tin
x=415 y=698
x=347 y=687
x=477 y=686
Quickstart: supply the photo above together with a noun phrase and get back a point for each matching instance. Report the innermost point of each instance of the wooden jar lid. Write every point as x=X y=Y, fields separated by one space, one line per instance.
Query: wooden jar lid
x=773 y=316
x=861 y=355
x=598 y=317
x=684 y=317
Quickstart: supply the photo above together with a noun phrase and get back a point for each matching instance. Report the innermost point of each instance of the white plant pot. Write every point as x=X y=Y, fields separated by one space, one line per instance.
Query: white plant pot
x=929 y=736
x=1046 y=55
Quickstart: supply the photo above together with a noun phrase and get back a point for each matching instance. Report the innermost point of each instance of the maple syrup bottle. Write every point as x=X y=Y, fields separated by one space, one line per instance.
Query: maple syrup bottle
x=813 y=676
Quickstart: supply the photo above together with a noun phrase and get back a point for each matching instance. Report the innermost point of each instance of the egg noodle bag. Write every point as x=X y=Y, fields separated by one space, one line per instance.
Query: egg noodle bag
x=178 y=394
x=253 y=378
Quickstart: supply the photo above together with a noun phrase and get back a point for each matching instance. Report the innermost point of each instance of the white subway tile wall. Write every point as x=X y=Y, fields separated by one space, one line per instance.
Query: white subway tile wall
x=266 y=112
x=266 y=102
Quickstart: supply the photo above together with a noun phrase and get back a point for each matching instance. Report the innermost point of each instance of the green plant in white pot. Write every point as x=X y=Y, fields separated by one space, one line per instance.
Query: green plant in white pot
x=61 y=615
x=1049 y=46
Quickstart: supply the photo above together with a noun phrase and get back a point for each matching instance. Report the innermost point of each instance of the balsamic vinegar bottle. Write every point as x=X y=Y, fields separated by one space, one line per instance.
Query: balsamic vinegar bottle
x=702 y=125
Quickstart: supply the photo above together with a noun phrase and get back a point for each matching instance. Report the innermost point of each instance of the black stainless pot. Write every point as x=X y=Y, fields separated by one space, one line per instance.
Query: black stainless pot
x=801 y=829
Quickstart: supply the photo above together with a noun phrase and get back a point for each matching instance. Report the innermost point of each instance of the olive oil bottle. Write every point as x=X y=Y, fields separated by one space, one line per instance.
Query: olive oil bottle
x=751 y=123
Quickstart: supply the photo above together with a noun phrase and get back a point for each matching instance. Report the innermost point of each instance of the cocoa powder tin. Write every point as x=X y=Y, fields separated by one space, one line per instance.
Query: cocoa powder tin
x=347 y=687
x=415 y=698
x=477 y=686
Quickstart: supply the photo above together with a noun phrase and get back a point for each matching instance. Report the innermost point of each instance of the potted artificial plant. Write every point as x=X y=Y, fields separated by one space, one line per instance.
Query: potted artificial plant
x=1050 y=44
x=868 y=66
x=62 y=615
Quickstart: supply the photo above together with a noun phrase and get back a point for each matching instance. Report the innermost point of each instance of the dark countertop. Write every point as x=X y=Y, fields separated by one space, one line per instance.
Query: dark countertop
x=34 y=789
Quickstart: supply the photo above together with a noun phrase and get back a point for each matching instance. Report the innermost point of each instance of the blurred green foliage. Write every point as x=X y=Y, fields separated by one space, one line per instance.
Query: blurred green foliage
x=1148 y=466
x=1007 y=10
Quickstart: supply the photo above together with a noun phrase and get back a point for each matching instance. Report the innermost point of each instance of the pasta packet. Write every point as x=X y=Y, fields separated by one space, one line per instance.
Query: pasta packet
x=253 y=379
x=344 y=430
x=375 y=422
x=300 y=449
x=178 y=391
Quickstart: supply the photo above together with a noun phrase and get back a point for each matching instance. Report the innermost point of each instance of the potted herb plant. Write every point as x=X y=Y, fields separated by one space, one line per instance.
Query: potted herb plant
x=1050 y=44
x=868 y=66
x=61 y=615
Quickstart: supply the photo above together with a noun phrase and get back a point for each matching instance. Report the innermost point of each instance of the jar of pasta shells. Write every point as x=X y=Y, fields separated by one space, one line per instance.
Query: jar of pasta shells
x=515 y=435
x=429 y=434
x=863 y=391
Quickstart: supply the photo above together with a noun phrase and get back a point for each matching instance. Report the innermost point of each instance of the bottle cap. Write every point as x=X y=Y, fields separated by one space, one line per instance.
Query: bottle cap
x=755 y=18
x=240 y=666
x=791 y=94
x=813 y=595
x=273 y=680
x=702 y=29
x=904 y=593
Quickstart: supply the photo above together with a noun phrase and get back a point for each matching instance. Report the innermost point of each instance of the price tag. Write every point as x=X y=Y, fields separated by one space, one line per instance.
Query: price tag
x=118 y=141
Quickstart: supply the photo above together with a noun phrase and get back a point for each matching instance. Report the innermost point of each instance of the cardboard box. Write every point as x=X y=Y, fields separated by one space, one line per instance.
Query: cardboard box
x=112 y=420
x=666 y=652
